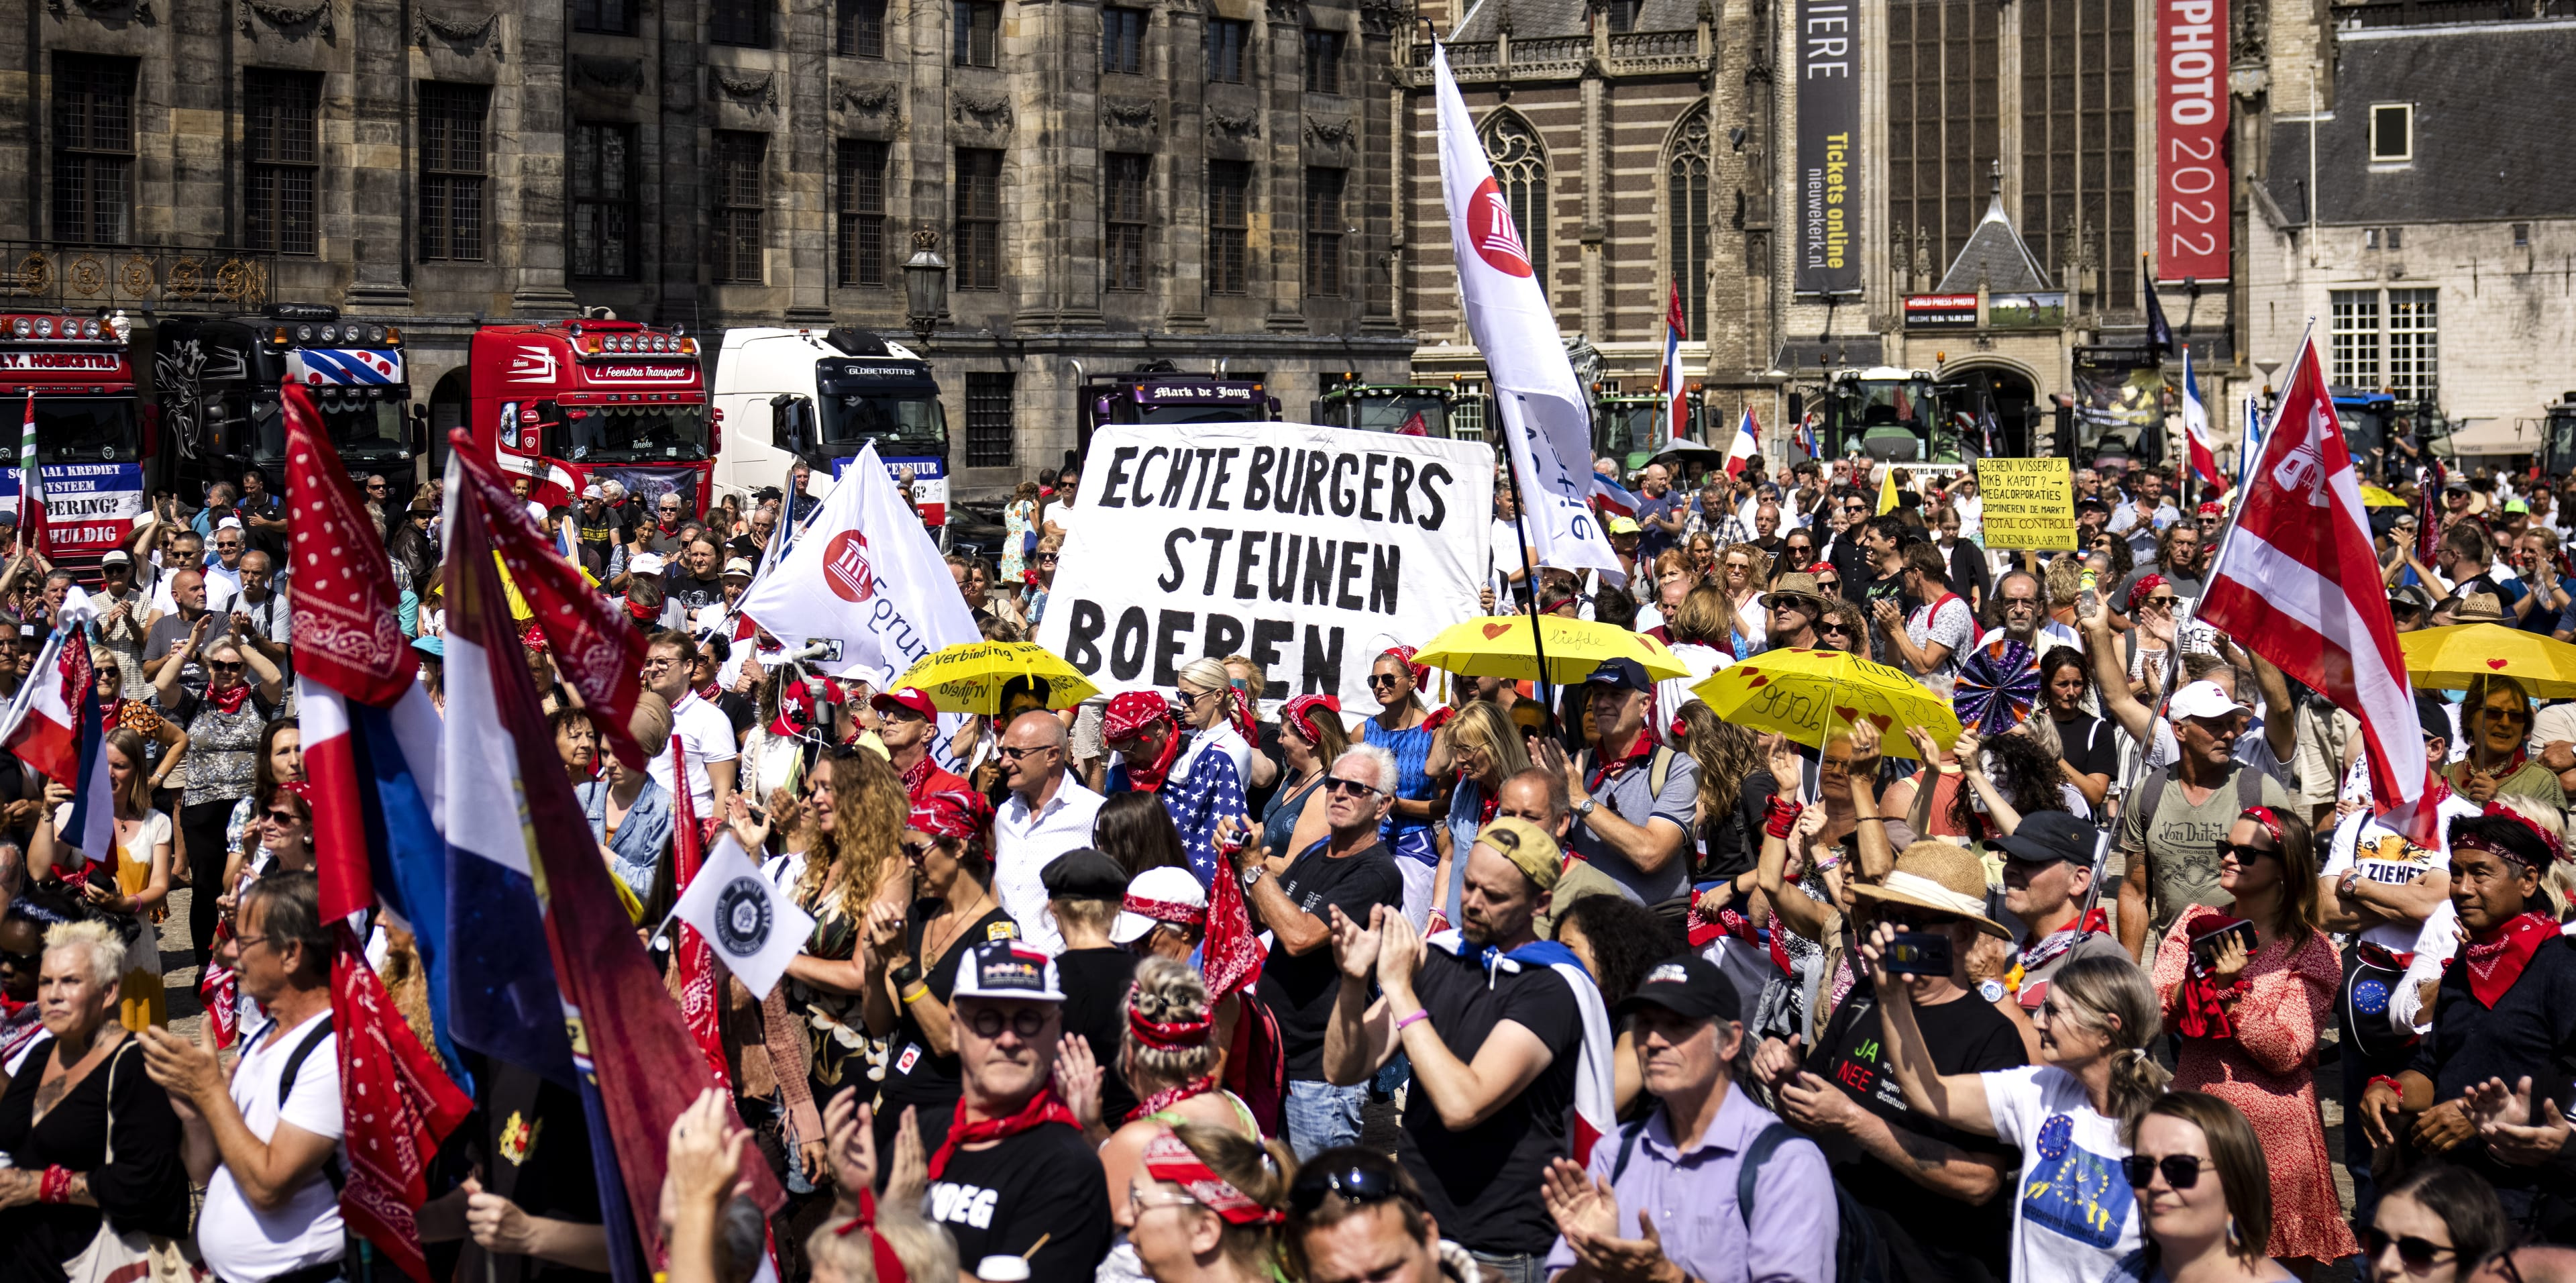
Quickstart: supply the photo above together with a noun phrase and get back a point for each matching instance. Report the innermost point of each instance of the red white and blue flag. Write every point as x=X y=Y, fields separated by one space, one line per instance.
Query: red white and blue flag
x=57 y=728
x=1596 y=1104
x=2298 y=582
x=2195 y=426
x=1747 y=443
x=1809 y=443
x=1612 y=499
x=1668 y=380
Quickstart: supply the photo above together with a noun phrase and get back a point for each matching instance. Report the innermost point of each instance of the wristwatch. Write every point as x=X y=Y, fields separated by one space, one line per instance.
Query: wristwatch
x=906 y=974
x=1584 y=811
x=1253 y=874
x=1991 y=989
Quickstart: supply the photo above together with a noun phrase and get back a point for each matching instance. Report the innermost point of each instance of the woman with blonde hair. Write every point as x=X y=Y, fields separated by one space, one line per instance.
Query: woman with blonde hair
x=2072 y=1116
x=1484 y=748
x=1744 y=575
x=134 y=884
x=1728 y=836
x=1169 y=1055
x=1207 y=1207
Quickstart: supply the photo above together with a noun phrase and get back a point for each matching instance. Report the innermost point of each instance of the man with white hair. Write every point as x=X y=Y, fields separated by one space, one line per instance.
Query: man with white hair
x=1347 y=869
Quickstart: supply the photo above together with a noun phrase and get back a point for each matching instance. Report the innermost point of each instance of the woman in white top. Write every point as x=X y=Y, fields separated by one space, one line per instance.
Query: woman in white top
x=1209 y=710
x=2073 y=1116
x=1743 y=573
x=131 y=883
x=2204 y=1192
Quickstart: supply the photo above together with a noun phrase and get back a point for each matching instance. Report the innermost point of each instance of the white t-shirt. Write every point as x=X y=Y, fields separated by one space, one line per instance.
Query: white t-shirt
x=240 y=1241
x=2387 y=857
x=2074 y=1216
x=710 y=739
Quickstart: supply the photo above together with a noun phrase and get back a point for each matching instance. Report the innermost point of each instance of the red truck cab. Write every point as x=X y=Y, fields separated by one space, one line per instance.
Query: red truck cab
x=572 y=402
x=77 y=374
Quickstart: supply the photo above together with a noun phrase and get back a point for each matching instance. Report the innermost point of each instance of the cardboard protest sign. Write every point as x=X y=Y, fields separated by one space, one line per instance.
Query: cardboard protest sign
x=2029 y=503
x=1309 y=549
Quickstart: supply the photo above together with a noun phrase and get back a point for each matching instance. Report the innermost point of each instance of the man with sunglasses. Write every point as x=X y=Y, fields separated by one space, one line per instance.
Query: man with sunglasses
x=1015 y=1177
x=906 y=722
x=1634 y=800
x=1047 y=813
x=1497 y=1032
x=2187 y=800
x=1794 y=603
x=1354 y=1216
x=1348 y=871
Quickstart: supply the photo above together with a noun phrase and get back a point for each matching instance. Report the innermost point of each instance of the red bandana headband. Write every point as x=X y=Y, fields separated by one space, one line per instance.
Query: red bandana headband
x=889 y=1267
x=2213 y=509
x=2268 y=820
x=1131 y=713
x=2551 y=842
x=1404 y=655
x=2146 y=584
x=1165 y=1035
x=1300 y=713
x=1188 y=915
x=1167 y=1159
x=951 y=814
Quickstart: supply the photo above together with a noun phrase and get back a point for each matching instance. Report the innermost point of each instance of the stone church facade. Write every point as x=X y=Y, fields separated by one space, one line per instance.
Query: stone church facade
x=1111 y=184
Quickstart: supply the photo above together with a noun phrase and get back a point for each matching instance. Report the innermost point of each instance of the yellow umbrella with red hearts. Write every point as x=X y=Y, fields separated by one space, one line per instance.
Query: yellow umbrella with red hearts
x=2450 y=658
x=1504 y=646
x=1809 y=694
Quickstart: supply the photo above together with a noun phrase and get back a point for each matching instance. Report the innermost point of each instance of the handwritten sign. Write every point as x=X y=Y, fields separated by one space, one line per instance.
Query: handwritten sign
x=2030 y=503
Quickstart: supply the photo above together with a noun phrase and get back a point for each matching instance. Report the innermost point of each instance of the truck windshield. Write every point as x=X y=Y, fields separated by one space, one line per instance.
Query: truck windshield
x=364 y=421
x=1392 y=413
x=1194 y=414
x=857 y=417
x=86 y=430
x=632 y=433
x=1629 y=426
x=2365 y=430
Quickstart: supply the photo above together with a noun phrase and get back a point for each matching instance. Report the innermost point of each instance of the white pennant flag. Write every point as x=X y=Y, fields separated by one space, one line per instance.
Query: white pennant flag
x=1545 y=420
x=752 y=928
x=863 y=589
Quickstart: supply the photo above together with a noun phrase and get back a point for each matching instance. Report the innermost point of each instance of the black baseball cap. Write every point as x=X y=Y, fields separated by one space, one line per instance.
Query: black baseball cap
x=2433 y=715
x=2046 y=837
x=1624 y=674
x=1688 y=986
x=1084 y=874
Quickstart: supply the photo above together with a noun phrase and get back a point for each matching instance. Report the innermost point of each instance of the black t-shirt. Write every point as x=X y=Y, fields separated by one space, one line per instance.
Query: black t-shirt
x=2090 y=746
x=1482 y=1184
x=1299 y=990
x=2531 y=1031
x=692 y=592
x=1256 y=801
x=1095 y=1006
x=916 y=1075
x=544 y=1163
x=1951 y=1239
x=1043 y=1183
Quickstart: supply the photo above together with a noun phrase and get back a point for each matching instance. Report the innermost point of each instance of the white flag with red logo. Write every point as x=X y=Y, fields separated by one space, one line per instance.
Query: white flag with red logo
x=864 y=589
x=1546 y=420
x=2298 y=584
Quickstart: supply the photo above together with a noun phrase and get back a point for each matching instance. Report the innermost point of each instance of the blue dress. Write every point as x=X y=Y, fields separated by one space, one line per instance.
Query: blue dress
x=1410 y=839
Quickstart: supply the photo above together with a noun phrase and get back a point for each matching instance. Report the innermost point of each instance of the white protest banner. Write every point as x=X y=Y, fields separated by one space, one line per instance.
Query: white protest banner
x=864 y=588
x=1309 y=549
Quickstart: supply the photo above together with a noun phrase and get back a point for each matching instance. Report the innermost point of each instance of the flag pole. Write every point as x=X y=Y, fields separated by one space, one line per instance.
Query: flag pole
x=1530 y=574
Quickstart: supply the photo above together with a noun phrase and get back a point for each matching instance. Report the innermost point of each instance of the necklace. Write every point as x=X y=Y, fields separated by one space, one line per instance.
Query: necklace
x=962 y=918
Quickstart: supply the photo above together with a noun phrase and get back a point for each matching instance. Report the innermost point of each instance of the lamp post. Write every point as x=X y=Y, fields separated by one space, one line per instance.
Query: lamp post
x=925 y=285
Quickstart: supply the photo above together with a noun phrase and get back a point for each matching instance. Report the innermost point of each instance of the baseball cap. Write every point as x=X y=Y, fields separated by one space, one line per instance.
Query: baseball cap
x=2046 y=836
x=1168 y=894
x=1623 y=525
x=116 y=557
x=1084 y=874
x=2433 y=715
x=2516 y=505
x=645 y=563
x=737 y=566
x=2204 y=699
x=911 y=698
x=1688 y=986
x=592 y=491
x=1527 y=846
x=1009 y=968
x=1624 y=674
x=433 y=646
x=2414 y=595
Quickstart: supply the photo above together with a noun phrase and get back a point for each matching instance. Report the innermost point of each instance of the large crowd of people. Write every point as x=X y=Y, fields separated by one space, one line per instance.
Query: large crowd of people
x=1497 y=981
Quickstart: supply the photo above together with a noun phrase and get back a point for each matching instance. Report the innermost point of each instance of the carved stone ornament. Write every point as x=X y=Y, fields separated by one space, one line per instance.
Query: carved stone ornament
x=608 y=73
x=426 y=26
x=1244 y=126
x=1135 y=113
x=991 y=113
x=142 y=9
x=750 y=89
x=872 y=100
x=285 y=17
x=1332 y=133
x=1380 y=17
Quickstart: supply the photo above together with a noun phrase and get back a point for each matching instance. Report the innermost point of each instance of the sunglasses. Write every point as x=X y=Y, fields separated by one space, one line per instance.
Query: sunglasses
x=1010 y=754
x=1027 y=1022
x=1834 y=630
x=1359 y=1183
x=1339 y=787
x=284 y=817
x=219 y=666
x=918 y=851
x=1045 y=557
x=2417 y=1254
x=2244 y=854
x=1384 y=679
x=23 y=961
x=2166 y=600
x=2182 y=1171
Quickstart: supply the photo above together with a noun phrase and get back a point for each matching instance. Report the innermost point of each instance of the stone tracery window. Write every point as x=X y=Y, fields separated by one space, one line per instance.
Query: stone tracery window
x=1686 y=219
x=1520 y=169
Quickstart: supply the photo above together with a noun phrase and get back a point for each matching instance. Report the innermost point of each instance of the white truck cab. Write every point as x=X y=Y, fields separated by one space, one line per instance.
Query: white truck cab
x=822 y=395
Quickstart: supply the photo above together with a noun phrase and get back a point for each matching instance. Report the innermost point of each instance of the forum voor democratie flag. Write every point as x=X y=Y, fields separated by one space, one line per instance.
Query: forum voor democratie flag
x=863 y=586
x=580 y=993
x=2297 y=581
x=1547 y=423
x=371 y=741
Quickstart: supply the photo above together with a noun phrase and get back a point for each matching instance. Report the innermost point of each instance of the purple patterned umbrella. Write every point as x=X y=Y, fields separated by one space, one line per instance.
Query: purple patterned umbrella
x=1997 y=685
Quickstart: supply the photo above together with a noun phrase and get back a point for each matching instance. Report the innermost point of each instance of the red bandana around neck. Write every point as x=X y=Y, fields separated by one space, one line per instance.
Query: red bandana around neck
x=1150 y=779
x=1043 y=1108
x=2497 y=958
x=1638 y=754
x=228 y=701
x=1170 y=1096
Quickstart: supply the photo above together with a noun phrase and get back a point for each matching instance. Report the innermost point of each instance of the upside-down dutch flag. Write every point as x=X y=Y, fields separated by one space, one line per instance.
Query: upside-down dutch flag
x=371 y=746
x=1806 y=438
x=56 y=727
x=2298 y=582
x=1613 y=499
x=1747 y=443
x=1668 y=379
x=2195 y=426
x=571 y=992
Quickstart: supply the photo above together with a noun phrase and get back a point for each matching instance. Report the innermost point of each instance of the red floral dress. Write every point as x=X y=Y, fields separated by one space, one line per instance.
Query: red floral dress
x=2267 y=1069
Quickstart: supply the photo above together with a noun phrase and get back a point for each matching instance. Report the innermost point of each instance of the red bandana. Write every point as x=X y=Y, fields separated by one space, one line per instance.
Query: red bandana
x=228 y=702
x=951 y=814
x=889 y=1267
x=1165 y=1035
x=2204 y=1009
x=2497 y=958
x=642 y=613
x=1639 y=751
x=1231 y=954
x=1042 y=1108
x=1168 y=1159
x=1170 y=1096
x=1131 y=715
x=1302 y=712
x=918 y=774
x=1421 y=673
x=710 y=692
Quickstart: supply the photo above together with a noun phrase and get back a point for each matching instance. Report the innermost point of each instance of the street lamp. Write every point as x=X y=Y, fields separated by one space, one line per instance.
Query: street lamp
x=925 y=285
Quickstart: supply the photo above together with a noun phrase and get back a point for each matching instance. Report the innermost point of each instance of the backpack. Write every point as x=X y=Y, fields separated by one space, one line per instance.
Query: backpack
x=1858 y=1255
x=2151 y=791
x=331 y=1169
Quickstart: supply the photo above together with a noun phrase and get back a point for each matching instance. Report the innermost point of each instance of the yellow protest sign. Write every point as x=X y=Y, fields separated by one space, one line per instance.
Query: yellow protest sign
x=2030 y=503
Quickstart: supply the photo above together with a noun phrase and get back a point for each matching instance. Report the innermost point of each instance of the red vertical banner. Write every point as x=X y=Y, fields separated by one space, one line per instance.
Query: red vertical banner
x=2192 y=188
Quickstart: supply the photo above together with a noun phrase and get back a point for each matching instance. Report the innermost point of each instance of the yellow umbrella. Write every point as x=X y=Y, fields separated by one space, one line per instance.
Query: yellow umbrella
x=1500 y=646
x=2446 y=658
x=2374 y=497
x=1803 y=693
x=969 y=677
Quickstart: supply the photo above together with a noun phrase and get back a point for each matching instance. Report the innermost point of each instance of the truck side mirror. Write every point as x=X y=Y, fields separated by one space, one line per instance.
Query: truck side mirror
x=791 y=424
x=419 y=416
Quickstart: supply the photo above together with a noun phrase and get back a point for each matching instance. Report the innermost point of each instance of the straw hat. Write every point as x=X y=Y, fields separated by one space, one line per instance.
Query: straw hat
x=1940 y=877
x=1796 y=585
x=2478 y=608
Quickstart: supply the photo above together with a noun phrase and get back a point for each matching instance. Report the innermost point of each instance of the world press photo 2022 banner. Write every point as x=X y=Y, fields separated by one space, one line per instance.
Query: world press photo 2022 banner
x=1309 y=549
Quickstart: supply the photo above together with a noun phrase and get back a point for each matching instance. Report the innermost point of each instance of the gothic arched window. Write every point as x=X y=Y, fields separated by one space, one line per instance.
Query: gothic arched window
x=1686 y=218
x=1520 y=169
